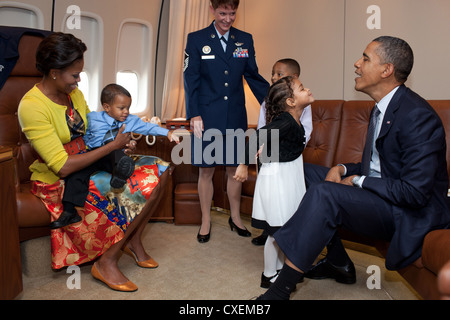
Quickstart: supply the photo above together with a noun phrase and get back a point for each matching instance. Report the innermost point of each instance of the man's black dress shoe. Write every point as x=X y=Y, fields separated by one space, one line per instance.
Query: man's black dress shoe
x=324 y=269
x=65 y=219
x=260 y=241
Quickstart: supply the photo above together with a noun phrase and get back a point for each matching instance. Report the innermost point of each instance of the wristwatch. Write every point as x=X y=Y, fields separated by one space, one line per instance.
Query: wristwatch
x=356 y=180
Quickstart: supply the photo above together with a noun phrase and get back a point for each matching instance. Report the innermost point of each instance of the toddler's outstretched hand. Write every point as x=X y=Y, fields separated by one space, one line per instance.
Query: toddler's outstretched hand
x=173 y=136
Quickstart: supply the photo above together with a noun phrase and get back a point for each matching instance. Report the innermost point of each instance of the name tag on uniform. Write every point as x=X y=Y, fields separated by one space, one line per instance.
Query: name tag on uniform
x=240 y=53
x=210 y=57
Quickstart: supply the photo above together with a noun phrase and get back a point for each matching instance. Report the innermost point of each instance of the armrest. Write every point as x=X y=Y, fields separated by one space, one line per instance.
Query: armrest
x=444 y=282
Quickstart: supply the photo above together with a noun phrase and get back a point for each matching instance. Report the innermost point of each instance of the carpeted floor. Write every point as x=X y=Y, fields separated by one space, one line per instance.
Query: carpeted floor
x=227 y=268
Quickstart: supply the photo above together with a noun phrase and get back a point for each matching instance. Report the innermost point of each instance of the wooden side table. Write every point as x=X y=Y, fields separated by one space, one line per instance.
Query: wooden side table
x=10 y=263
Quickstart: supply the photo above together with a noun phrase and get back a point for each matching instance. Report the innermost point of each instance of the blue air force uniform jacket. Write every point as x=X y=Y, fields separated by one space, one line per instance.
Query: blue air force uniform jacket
x=213 y=79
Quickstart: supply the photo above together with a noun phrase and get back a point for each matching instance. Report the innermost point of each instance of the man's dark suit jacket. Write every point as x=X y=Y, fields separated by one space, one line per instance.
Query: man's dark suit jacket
x=414 y=177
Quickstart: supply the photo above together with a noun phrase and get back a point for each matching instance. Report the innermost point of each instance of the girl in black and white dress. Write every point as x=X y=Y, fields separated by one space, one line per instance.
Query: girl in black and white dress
x=280 y=185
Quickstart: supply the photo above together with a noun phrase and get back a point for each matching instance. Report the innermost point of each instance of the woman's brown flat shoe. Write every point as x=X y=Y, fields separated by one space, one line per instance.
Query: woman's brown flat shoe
x=150 y=263
x=126 y=287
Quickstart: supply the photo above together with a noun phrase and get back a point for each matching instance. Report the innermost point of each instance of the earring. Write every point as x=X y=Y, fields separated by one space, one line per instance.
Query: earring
x=54 y=78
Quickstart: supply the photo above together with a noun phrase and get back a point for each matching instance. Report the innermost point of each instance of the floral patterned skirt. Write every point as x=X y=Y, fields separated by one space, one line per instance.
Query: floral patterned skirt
x=105 y=216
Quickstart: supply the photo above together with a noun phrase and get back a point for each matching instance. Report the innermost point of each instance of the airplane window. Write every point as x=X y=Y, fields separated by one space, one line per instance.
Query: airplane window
x=91 y=33
x=129 y=80
x=83 y=85
x=20 y=15
x=134 y=62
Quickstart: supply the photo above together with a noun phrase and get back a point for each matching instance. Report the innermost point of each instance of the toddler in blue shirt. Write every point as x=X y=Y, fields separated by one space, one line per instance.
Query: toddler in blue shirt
x=102 y=128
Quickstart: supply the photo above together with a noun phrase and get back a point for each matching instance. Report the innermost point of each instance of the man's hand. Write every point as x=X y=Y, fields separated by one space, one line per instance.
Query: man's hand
x=335 y=174
x=348 y=181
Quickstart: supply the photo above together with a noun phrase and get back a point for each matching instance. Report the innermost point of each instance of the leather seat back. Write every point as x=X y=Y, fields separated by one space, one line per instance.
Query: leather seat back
x=32 y=216
x=22 y=78
x=354 y=123
x=442 y=108
x=326 y=116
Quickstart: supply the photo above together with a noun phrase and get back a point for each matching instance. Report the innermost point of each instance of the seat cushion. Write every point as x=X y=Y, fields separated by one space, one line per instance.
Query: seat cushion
x=186 y=192
x=187 y=204
x=435 y=253
x=31 y=212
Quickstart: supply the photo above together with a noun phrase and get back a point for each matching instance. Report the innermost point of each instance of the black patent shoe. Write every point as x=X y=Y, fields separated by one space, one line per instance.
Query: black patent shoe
x=241 y=232
x=66 y=218
x=260 y=241
x=123 y=170
x=265 y=281
x=324 y=269
x=204 y=238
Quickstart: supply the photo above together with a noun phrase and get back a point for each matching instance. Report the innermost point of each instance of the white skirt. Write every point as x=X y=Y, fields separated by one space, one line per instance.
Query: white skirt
x=280 y=187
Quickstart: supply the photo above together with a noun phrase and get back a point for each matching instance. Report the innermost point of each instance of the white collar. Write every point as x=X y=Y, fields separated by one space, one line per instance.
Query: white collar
x=383 y=104
x=226 y=35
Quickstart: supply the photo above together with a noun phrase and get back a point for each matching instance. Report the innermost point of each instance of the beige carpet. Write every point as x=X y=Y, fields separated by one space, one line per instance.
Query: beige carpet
x=227 y=268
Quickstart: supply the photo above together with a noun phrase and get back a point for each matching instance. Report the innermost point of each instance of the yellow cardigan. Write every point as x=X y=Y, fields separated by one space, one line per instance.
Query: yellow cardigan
x=44 y=124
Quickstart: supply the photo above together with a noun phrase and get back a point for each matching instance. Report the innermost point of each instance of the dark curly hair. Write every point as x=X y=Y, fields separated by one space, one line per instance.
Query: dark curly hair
x=279 y=92
x=58 y=51
x=110 y=92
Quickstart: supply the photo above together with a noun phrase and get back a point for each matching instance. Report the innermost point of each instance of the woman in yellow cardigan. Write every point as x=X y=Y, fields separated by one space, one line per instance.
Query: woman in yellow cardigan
x=53 y=118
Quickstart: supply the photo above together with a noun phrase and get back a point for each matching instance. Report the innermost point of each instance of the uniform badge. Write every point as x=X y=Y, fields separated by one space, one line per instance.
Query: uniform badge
x=240 y=53
x=239 y=44
x=206 y=49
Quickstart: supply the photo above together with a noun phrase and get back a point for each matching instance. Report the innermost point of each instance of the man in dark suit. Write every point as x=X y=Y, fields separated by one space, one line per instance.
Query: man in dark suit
x=397 y=193
x=217 y=59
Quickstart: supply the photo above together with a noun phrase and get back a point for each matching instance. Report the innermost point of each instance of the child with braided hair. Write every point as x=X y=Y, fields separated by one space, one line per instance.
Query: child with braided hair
x=280 y=185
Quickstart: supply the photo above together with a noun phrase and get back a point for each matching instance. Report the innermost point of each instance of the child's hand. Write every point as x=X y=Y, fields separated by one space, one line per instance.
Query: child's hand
x=241 y=174
x=173 y=136
x=258 y=154
x=122 y=139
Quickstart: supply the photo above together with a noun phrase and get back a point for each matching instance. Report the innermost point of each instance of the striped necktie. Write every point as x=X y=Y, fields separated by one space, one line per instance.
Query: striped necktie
x=112 y=133
x=222 y=38
x=367 y=154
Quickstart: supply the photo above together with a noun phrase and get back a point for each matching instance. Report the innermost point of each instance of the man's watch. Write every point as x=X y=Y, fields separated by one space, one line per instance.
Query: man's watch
x=356 y=180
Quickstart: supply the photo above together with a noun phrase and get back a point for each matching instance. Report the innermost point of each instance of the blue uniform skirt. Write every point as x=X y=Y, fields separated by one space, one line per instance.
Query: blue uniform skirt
x=217 y=150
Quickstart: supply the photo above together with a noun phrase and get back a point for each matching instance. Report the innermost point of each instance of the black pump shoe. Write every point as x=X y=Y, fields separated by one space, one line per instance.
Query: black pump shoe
x=204 y=238
x=324 y=269
x=66 y=218
x=241 y=232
